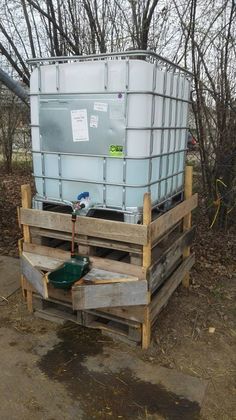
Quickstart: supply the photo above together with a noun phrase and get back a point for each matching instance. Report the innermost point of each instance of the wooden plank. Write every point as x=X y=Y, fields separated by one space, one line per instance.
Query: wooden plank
x=120 y=231
x=188 y=192
x=159 y=270
x=171 y=217
x=96 y=276
x=26 y=201
x=165 y=236
x=22 y=279
x=34 y=277
x=53 y=315
x=112 y=280
x=118 y=267
x=100 y=314
x=147 y=259
x=146 y=329
x=110 y=295
x=88 y=241
x=133 y=313
x=95 y=262
x=162 y=296
x=59 y=294
x=41 y=262
x=136 y=259
x=147 y=217
x=47 y=251
x=110 y=327
x=27 y=286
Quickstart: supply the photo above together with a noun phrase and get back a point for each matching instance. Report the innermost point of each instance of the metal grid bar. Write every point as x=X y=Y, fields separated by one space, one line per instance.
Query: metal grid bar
x=106 y=156
x=152 y=124
x=175 y=135
x=169 y=132
x=106 y=75
x=123 y=54
x=126 y=108
x=57 y=78
x=138 y=128
x=180 y=121
x=43 y=172
x=39 y=78
x=59 y=174
x=104 y=180
x=117 y=208
x=107 y=183
x=162 y=133
x=128 y=92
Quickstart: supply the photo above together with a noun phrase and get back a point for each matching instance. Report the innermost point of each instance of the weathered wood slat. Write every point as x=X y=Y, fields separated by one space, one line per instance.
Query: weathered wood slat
x=159 y=270
x=96 y=276
x=165 y=235
x=123 y=232
x=59 y=294
x=117 y=330
x=118 y=267
x=34 y=276
x=47 y=251
x=110 y=295
x=163 y=295
x=42 y=262
x=111 y=317
x=133 y=313
x=171 y=217
x=96 y=262
x=88 y=241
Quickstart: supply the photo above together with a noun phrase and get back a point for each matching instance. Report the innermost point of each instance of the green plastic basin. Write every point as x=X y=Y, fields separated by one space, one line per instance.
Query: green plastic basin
x=69 y=273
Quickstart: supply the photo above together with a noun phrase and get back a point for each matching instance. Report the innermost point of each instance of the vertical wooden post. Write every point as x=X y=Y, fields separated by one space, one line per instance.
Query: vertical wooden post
x=188 y=192
x=86 y=249
x=147 y=259
x=20 y=247
x=26 y=200
x=147 y=218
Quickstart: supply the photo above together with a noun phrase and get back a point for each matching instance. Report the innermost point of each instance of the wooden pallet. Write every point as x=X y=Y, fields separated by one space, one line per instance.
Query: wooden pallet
x=156 y=254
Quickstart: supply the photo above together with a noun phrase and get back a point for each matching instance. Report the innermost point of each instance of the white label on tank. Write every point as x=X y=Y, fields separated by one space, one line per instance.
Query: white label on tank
x=93 y=121
x=79 y=122
x=100 y=106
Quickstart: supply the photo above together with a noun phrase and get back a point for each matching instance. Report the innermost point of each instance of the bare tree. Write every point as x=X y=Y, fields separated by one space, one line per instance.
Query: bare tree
x=210 y=48
x=13 y=116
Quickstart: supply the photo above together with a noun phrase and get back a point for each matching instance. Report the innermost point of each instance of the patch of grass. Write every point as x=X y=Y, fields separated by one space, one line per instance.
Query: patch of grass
x=21 y=163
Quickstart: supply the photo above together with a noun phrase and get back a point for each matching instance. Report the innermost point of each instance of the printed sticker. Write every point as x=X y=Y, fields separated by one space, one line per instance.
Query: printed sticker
x=116 y=150
x=100 y=106
x=79 y=122
x=93 y=121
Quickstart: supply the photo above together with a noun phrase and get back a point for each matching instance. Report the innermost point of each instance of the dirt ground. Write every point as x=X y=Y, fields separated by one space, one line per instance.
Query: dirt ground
x=195 y=333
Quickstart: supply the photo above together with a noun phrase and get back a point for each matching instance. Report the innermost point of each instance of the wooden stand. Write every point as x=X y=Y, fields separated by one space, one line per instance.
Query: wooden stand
x=130 y=308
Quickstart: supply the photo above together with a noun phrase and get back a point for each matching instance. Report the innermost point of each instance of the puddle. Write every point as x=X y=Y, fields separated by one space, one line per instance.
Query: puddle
x=107 y=395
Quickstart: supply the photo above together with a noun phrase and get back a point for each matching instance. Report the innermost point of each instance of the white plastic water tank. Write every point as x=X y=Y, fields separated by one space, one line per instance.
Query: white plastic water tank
x=113 y=125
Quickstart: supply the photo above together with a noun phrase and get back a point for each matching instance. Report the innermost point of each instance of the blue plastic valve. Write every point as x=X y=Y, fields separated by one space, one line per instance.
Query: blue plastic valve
x=84 y=195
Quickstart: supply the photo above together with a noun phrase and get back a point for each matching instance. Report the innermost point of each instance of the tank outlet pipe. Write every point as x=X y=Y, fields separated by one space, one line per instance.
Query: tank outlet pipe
x=84 y=198
x=81 y=205
x=76 y=208
x=14 y=86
